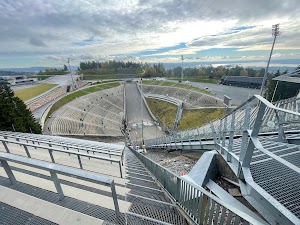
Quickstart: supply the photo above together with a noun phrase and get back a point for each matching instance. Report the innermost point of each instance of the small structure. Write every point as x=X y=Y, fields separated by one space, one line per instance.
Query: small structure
x=17 y=80
x=242 y=81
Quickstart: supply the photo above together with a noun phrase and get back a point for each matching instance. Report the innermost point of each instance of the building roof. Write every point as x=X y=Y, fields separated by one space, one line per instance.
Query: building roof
x=243 y=79
x=293 y=77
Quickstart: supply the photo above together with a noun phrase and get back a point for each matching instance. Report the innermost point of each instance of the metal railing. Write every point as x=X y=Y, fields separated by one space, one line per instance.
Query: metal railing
x=285 y=120
x=68 y=142
x=55 y=169
x=51 y=149
x=200 y=205
x=109 y=152
x=164 y=98
x=249 y=130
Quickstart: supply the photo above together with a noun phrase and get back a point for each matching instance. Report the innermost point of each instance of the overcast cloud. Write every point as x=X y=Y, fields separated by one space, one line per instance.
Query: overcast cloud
x=50 y=31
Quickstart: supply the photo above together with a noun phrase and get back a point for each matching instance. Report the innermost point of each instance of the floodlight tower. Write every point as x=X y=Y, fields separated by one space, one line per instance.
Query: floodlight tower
x=71 y=73
x=181 y=68
x=275 y=33
x=142 y=113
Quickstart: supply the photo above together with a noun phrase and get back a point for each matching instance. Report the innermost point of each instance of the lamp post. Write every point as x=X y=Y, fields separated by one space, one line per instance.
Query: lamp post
x=275 y=33
x=71 y=73
x=142 y=113
x=181 y=68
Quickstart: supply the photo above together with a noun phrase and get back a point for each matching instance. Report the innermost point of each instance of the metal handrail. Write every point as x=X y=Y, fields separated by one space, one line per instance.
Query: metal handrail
x=260 y=99
x=55 y=169
x=200 y=205
x=164 y=98
x=51 y=149
x=108 y=152
x=66 y=141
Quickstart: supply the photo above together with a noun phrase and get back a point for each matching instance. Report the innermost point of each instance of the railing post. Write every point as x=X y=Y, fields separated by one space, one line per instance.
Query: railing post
x=26 y=150
x=190 y=140
x=178 y=189
x=245 y=132
x=213 y=133
x=247 y=152
x=57 y=185
x=281 y=119
x=224 y=135
x=175 y=141
x=5 y=146
x=114 y=197
x=8 y=171
x=231 y=135
x=79 y=160
x=120 y=167
x=199 y=136
x=220 y=131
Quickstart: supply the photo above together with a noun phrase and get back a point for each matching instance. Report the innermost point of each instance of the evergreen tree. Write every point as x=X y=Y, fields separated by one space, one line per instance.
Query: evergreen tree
x=284 y=90
x=14 y=114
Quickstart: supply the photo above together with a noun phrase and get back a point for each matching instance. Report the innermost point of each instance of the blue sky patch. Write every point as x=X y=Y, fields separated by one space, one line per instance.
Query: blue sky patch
x=84 y=42
x=162 y=50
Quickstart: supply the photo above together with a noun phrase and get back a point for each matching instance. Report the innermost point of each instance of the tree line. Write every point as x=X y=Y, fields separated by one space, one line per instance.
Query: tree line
x=111 y=64
x=158 y=69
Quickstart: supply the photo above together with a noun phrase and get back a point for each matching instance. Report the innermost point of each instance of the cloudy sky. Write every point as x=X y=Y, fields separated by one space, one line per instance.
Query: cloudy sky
x=47 y=32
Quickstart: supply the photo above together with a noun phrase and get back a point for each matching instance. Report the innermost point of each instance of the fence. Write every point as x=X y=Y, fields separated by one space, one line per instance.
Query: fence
x=55 y=169
x=274 y=119
x=200 y=205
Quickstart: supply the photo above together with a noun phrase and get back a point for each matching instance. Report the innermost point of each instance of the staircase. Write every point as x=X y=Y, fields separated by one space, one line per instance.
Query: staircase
x=261 y=144
x=33 y=191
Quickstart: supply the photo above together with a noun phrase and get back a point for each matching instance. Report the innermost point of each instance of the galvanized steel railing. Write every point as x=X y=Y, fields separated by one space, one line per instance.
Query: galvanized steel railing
x=234 y=121
x=55 y=169
x=200 y=205
x=51 y=149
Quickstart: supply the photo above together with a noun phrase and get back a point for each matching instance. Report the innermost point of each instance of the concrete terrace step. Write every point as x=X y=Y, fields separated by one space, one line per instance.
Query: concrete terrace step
x=43 y=209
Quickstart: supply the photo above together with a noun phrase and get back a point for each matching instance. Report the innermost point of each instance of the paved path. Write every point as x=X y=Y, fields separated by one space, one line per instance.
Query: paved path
x=61 y=79
x=238 y=94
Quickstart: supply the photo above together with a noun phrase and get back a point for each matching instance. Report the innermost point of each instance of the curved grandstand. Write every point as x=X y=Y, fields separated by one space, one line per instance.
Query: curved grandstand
x=190 y=98
x=100 y=113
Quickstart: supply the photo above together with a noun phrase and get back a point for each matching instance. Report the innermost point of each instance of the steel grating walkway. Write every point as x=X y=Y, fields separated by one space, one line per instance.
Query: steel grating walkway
x=149 y=206
x=277 y=179
x=11 y=215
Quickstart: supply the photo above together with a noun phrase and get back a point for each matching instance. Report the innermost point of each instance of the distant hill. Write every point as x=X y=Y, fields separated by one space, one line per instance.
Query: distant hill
x=32 y=69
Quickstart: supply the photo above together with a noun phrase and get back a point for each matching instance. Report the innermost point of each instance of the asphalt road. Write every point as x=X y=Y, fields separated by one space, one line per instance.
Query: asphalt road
x=136 y=111
x=61 y=79
x=238 y=94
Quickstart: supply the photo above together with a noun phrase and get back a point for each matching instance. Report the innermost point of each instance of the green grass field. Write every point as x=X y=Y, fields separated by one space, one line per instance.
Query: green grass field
x=197 y=117
x=190 y=118
x=28 y=93
x=166 y=112
x=80 y=93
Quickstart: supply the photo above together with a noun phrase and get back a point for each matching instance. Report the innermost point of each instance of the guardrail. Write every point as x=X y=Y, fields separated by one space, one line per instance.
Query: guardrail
x=55 y=169
x=200 y=205
x=171 y=100
x=36 y=98
x=164 y=98
x=50 y=150
x=67 y=142
x=105 y=152
x=285 y=120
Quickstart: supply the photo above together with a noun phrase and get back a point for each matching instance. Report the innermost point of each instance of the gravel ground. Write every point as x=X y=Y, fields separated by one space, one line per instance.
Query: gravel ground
x=174 y=161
